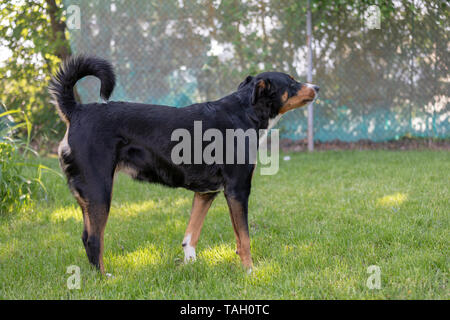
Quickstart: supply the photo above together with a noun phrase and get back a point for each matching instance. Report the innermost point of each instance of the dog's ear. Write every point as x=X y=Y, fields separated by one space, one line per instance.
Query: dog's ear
x=260 y=89
x=243 y=83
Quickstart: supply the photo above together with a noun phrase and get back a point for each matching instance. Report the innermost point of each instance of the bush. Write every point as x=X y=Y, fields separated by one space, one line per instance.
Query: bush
x=17 y=188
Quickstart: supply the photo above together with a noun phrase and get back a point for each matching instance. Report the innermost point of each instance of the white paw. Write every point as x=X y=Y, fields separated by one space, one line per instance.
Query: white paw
x=189 y=254
x=189 y=251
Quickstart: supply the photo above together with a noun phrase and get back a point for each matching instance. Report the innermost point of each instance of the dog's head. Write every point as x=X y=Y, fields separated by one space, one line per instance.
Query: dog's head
x=279 y=92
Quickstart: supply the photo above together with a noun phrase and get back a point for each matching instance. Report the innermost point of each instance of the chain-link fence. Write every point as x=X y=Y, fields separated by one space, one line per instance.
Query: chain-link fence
x=376 y=84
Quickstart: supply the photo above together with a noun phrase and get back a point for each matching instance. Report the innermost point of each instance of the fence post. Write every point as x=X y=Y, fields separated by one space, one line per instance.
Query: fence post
x=309 y=77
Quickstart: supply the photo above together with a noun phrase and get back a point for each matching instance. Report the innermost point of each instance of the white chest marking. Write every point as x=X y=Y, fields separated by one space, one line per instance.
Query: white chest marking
x=272 y=123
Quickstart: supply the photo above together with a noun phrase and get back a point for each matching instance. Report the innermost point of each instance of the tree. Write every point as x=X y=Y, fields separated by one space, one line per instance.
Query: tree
x=35 y=33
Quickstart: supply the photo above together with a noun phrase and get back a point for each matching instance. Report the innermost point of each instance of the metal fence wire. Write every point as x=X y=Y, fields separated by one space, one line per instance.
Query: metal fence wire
x=376 y=83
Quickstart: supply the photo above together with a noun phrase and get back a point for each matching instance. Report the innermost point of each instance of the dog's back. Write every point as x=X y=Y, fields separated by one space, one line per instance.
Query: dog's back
x=131 y=137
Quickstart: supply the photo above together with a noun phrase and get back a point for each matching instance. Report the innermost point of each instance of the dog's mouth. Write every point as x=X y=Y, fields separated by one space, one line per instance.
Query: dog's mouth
x=304 y=96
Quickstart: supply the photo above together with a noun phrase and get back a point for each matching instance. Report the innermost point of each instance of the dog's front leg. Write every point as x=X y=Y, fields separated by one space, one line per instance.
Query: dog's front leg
x=238 y=206
x=200 y=206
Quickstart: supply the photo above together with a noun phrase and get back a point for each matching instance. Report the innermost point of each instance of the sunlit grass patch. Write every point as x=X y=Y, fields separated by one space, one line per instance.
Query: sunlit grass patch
x=131 y=209
x=177 y=205
x=182 y=202
x=66 y=213
x=395 y=199
x=264 y=272
x=138 y=259
x=219 y=254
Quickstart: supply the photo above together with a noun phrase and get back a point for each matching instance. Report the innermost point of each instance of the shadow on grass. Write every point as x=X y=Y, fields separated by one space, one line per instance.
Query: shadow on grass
x=141 y=235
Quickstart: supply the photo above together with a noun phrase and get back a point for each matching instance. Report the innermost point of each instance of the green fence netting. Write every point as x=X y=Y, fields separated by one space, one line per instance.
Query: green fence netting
x=376 y=84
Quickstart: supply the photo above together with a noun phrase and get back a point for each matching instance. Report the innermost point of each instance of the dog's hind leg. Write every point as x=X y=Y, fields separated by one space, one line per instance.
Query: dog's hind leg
x=200 y=206
x=97 y=215
x=94 y=198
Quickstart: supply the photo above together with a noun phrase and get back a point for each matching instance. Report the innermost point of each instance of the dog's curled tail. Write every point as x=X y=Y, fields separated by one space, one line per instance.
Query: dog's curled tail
x=72 y=70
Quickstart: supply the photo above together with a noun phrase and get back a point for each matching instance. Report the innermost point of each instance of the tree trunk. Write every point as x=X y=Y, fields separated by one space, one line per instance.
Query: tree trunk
x=59 y=36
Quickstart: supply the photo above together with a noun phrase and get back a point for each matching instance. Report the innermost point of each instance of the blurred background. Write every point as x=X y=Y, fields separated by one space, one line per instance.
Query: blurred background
x=382 y=65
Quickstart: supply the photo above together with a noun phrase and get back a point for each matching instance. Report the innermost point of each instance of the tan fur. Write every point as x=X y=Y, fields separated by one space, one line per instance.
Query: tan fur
x=303 y=96
x=200 y=206
x=240 y=232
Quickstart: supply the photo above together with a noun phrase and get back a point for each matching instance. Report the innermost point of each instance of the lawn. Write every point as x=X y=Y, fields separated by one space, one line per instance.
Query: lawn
x=316 y=227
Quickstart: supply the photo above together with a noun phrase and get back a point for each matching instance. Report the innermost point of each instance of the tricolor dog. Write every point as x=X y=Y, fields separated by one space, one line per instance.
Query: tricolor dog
x=104 y=138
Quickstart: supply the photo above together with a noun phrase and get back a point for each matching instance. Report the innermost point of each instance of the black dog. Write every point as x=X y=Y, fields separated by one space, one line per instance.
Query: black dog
x=136 y=138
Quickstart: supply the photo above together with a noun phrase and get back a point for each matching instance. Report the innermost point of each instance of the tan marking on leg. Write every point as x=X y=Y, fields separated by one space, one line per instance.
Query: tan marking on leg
x=98 y=216
x=83 y=205
x=200 y=206
x=240 y=231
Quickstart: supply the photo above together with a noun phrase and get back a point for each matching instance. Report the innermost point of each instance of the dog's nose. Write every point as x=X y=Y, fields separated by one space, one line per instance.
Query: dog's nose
x=316 y=88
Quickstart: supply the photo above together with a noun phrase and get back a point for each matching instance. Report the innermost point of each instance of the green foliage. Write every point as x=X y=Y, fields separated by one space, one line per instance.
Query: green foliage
x=19 y=185
x=15 y=189
x=26 y=30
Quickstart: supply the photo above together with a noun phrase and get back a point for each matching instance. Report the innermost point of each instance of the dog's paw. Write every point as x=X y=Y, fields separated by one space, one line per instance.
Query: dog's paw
x=189 y=254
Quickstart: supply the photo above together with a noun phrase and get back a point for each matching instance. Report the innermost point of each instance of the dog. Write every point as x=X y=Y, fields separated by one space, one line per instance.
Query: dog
x=104 y=138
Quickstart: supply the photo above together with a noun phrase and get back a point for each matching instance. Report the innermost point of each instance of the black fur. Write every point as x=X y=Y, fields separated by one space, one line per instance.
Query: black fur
x=75 y=68
x=103 y=138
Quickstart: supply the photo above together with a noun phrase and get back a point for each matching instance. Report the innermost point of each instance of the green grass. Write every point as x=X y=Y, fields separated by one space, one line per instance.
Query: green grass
x=315 y=227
